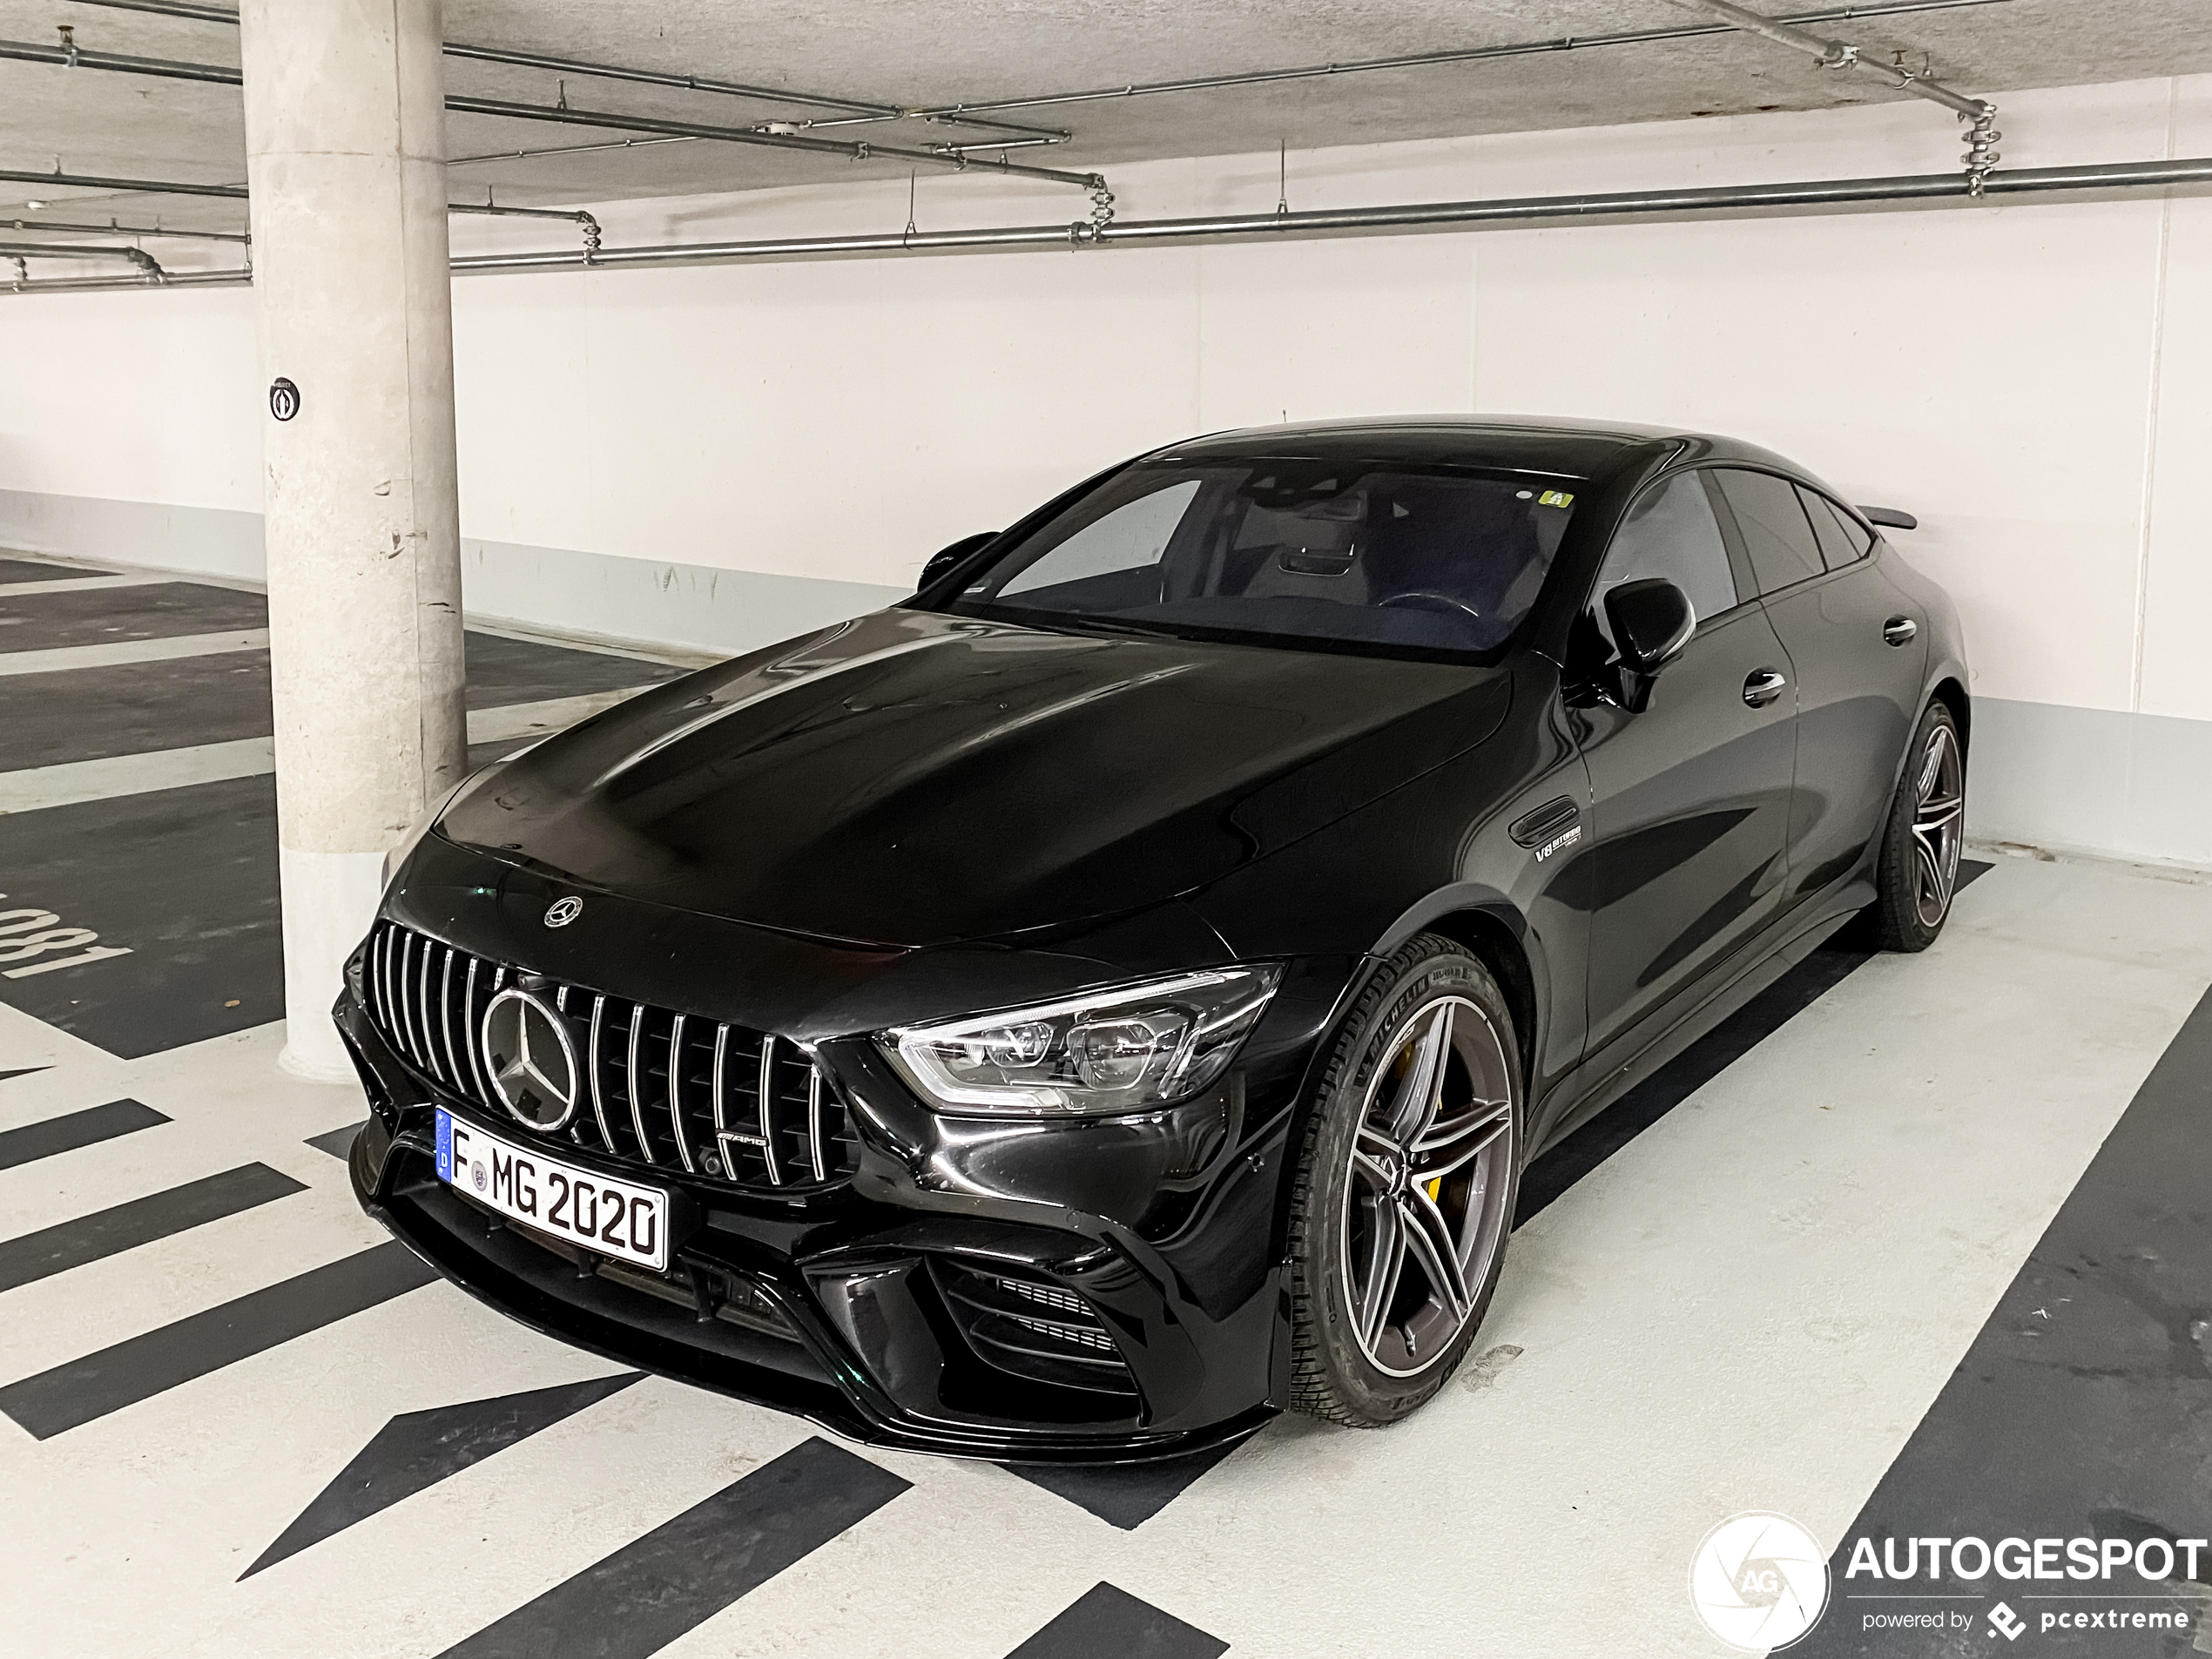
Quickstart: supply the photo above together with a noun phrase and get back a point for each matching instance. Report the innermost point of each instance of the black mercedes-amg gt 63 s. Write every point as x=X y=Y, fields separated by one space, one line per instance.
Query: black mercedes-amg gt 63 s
x=1112 y=997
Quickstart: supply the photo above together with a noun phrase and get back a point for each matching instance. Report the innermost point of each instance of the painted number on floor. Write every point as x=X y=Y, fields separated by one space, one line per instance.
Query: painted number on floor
x=27 y=933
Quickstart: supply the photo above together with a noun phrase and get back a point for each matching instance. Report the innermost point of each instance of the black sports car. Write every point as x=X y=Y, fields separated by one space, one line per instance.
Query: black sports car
x=1112 y=997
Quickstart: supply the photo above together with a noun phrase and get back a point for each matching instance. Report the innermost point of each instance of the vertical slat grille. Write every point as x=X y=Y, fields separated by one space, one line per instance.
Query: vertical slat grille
x=661 y=1089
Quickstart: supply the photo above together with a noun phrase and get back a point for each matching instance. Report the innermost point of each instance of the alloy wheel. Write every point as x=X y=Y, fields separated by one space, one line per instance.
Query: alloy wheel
x=1939 y=825
x=1431 y=1169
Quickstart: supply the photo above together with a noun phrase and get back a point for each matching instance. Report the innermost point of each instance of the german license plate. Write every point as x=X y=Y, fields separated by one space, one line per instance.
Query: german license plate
x=579 y=1207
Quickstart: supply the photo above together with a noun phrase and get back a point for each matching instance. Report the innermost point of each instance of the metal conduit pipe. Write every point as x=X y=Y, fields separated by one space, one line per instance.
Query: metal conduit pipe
x=145 y=186
x=84 y=57
x=734 y=89
x=577 y=217
x=75 y=57
x=1409 y=60
x=2095 y=179
x=137 y=256
x=861 y=151
x=1979 y=114
x=643 y=77
x=111 y=228
x=563 y=150
x=170 y=8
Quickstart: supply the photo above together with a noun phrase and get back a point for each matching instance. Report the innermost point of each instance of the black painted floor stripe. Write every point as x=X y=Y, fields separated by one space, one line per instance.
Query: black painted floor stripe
x=687 y=1570
x=82 y=1389
x=1125 y=1495
x=418 y=1449
x=39 y=571
x=73 y=1130
x=1108 y=1623
x=107 y=1233
x=338 y=1142
x=2083 y=1408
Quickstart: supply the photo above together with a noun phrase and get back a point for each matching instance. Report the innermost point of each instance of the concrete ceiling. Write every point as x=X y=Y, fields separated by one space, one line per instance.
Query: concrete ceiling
x=919 y=52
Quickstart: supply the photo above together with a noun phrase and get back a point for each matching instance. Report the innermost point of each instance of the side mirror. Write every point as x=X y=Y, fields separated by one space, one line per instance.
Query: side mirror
x=1652 y=621
x=944 y=559
x=1890 y=517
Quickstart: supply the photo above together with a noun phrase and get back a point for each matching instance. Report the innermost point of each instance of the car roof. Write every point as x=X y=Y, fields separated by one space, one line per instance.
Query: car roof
x=1539 y=443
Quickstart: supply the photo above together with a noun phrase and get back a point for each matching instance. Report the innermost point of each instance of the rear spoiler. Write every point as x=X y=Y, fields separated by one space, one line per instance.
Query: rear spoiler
x=1889 y=517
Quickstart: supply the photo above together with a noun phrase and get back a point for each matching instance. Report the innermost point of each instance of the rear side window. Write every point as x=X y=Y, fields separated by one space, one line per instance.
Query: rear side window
x=1671 y=532
x=1842 y=537
x=1777 y=533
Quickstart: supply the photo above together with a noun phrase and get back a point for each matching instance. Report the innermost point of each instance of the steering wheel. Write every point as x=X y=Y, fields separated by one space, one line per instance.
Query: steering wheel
x=1428 y=599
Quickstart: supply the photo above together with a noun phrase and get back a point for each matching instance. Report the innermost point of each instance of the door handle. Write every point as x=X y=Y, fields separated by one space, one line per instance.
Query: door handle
x=1899 y=630
x=1545 y=822
x=1763 y=686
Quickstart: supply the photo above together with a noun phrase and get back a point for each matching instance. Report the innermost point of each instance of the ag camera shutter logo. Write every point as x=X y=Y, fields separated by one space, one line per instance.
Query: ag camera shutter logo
x=1758 y=1582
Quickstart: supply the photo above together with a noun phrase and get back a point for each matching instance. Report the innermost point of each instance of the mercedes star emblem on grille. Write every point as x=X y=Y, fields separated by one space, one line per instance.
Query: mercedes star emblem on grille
x=562 y=912
x=532 y=1059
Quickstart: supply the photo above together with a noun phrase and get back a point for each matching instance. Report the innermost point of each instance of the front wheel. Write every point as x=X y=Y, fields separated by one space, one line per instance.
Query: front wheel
x=1919 y=868
x=1404 y=1189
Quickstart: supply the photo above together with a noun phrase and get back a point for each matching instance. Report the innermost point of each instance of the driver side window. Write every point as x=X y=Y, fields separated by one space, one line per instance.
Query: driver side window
x=1671 y=532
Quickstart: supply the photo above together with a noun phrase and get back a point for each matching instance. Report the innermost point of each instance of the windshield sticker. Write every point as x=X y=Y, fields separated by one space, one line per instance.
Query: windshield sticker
x=1554 y=498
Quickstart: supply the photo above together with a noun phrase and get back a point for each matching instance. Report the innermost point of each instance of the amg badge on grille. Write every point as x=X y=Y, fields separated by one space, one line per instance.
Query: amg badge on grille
x=562 y=912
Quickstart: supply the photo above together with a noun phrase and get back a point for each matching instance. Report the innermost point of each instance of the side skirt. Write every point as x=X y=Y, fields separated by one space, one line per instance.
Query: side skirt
x=1597 y=1083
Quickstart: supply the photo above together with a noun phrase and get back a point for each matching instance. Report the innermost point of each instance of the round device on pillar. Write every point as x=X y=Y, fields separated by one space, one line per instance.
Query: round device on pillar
x=284 y=399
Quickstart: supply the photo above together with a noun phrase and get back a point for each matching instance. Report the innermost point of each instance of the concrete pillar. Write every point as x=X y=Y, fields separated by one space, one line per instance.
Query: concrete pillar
x=345 y=139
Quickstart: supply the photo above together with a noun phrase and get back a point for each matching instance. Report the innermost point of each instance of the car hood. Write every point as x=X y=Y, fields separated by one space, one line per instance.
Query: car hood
x=911 y=778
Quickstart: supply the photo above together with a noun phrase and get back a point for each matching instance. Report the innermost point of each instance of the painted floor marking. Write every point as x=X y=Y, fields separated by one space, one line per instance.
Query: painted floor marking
x=84 y=1390
x=68 y=782
x=72 y=1130
x=684 y=1572
x=60 y=658
x=107 y=1233
x=1107 y=1622
x=79 y=584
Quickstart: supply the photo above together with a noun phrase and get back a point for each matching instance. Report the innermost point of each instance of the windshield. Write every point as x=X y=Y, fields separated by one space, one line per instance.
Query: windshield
x=1381 y=555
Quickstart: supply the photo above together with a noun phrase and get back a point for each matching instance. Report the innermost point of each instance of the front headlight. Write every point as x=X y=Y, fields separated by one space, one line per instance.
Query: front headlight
x=1126 y=1050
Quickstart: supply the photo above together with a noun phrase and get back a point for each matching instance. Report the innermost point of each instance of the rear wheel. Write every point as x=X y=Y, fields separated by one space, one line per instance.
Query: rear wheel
x=1919 y=869
x=1404 y=1189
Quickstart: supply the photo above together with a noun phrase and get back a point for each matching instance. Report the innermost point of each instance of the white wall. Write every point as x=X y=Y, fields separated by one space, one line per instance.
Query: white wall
x=2034 y=381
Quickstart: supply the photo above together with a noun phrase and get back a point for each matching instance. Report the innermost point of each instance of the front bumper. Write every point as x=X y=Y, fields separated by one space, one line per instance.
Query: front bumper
x=846 y=1307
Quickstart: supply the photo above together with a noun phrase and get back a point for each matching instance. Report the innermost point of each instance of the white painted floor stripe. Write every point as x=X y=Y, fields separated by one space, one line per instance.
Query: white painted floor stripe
x=56 y=659
x=75 y=780
x=78 y=584
x=37 y=787
x=543 y=720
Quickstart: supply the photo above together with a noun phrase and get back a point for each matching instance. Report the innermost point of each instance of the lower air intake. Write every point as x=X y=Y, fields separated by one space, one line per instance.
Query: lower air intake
x=1030 y=1328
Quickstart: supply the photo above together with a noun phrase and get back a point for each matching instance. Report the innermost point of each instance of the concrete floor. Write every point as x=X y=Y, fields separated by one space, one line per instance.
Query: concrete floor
x=1911 y=1244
